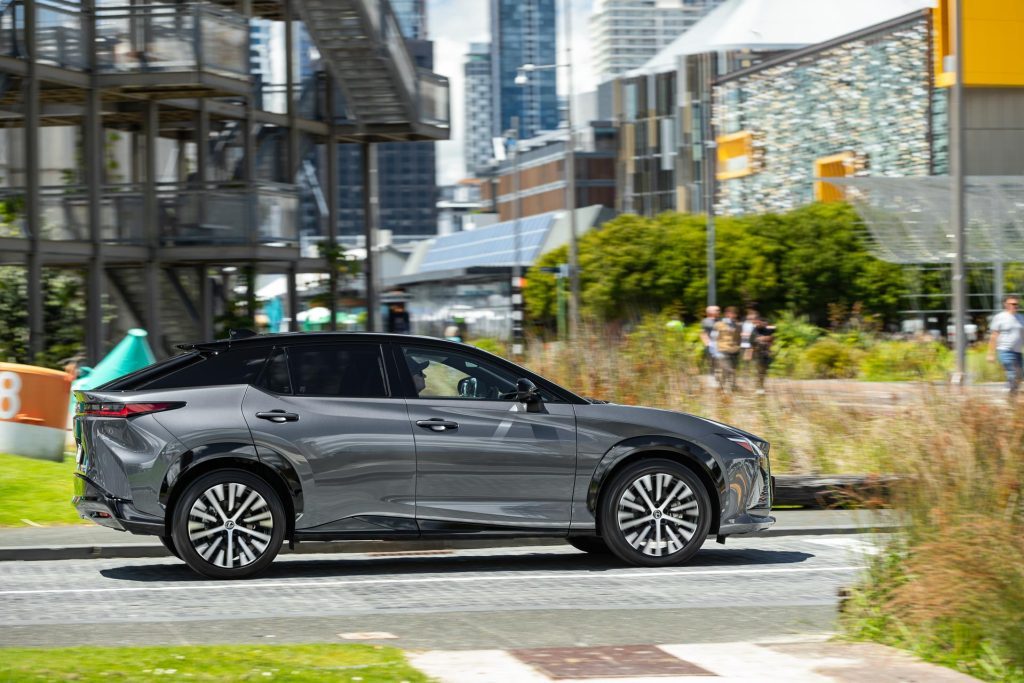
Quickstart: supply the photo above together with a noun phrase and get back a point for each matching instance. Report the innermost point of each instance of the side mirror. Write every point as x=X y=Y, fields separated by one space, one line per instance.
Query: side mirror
x=527 y=392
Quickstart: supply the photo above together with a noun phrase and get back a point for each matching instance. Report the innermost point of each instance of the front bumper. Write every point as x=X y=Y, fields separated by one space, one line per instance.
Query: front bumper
x=96 y=505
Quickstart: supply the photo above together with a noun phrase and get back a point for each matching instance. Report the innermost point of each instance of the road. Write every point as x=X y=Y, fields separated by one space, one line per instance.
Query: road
x=550 y=596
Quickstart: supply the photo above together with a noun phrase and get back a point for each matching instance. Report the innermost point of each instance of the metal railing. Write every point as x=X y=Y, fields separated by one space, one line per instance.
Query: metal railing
x=59 y=33
x=186 y=213
x=434 y=107
x=162 y=38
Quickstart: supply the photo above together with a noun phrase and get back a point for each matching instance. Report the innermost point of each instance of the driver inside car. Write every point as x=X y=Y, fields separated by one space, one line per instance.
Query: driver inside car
x=417 y=368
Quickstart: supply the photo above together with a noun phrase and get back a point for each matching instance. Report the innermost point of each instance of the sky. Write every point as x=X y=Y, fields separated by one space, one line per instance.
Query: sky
x=453 y=25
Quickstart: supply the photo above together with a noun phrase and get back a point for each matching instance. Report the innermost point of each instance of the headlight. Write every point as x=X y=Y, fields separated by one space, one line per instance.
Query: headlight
x=758 y=448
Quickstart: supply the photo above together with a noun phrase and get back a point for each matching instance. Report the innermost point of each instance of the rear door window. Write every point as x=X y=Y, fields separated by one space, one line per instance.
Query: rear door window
x=346 y=369
x=233 y=366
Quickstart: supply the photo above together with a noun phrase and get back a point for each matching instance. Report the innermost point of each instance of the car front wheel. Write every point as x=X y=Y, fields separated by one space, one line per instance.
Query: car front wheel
x=229 y=524
x=655 y=513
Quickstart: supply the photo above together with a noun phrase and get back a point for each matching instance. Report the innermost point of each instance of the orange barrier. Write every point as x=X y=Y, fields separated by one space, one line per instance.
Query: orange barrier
x=33 y=410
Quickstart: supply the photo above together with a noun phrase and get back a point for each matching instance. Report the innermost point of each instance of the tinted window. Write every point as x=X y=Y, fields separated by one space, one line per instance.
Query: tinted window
x=439 y=373
x=349 y=370
x=276 y=377
x=235 y=366
x=140 y=378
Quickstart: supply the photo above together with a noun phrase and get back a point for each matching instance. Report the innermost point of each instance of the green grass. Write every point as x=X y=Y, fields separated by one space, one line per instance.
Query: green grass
x=36 y=490
x=327 y=662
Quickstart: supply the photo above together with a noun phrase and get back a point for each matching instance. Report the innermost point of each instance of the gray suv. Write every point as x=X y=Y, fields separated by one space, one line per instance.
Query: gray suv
x=234 y=447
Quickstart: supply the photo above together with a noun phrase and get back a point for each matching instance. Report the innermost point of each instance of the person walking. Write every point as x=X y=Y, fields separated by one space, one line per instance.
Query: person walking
x=760 y=351
x=747 y=336
x=707 y=337
x=1007 y=342
x=727 y=342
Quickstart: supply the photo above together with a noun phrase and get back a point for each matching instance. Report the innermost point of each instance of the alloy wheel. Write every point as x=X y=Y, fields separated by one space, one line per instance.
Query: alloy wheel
x=658 y=514
x=230 y=525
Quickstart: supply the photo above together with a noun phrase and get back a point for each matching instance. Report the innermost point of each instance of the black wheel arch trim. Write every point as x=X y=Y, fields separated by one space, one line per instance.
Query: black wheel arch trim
x=262 y=461
x=686 y=452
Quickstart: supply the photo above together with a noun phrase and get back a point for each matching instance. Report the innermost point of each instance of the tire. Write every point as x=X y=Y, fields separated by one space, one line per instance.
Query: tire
x=594 y=545
x=677 y=525
x=168 y=542
x=249 y=544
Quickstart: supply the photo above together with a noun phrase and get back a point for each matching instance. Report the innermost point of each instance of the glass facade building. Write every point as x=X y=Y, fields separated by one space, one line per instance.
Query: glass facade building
x=477 y=148
x=523 y=32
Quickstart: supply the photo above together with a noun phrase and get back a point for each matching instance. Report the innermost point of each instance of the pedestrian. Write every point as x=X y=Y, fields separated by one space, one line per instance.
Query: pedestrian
x=727 y=346
x=1007 y=341
x=707 y=337
x=747 y=335
x=760 y=352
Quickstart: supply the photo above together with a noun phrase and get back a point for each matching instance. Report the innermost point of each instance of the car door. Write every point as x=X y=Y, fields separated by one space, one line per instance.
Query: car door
x=483 y=460
x=329 y=409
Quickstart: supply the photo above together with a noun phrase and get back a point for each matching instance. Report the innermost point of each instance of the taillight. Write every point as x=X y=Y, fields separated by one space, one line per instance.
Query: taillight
x=124 y=409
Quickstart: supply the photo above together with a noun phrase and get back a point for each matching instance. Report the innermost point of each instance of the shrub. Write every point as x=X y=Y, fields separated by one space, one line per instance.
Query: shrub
x=828 y=358
x=903 y=360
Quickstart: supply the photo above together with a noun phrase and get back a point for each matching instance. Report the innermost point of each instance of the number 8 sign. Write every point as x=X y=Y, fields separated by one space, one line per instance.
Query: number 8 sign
x=10 y=397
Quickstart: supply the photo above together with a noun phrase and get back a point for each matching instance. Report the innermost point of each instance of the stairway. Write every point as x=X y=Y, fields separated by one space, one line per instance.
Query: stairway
x=362 y=47
x=179 y=318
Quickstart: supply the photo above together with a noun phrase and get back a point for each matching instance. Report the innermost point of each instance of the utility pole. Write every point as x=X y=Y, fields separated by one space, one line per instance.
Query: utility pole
x=710 y=152
x=570 y=187
x=959 y=217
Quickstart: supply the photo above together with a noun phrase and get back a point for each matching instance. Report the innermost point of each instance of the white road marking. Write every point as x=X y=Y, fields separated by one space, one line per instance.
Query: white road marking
x=569 y=576
x=749 y=663
x=473 y=666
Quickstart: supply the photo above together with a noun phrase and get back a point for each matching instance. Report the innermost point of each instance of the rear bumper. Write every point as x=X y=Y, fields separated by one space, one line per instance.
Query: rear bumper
x=96 y=505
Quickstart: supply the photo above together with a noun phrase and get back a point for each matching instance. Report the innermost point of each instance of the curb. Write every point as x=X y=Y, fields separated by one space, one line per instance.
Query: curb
x=382 y=548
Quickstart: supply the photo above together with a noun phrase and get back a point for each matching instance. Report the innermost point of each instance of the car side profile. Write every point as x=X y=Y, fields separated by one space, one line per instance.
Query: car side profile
x=233 y=447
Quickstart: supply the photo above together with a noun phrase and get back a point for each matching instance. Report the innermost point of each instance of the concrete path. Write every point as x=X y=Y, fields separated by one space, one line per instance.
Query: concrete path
x=796 y=660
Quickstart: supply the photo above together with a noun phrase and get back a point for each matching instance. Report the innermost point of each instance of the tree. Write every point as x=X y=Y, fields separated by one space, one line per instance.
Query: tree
x=800 y=262
x=63 y=316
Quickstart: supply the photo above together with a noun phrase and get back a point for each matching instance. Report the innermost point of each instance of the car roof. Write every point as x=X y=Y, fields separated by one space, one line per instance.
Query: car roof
x=312 y=338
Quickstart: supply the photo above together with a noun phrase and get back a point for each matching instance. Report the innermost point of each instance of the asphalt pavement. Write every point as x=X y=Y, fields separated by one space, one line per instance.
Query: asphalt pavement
x=758 y=608
x=442 y=599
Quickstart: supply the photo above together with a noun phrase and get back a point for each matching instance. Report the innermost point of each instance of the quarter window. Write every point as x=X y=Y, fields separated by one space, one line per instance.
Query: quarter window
x=349 y=370
x=232 y=366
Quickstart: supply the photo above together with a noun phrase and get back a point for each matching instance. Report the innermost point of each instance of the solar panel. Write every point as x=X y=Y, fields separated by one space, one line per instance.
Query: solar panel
x=494 y=245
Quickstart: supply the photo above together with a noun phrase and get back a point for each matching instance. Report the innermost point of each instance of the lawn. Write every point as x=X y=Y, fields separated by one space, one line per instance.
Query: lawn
x=36 y=490
x=333 y=662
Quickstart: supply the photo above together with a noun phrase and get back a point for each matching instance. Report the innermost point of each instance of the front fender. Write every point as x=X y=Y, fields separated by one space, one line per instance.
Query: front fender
x=691 y=453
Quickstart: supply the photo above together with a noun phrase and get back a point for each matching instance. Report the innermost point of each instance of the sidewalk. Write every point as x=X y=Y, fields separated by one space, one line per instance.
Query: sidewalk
x=799 y=660
x=92 y=541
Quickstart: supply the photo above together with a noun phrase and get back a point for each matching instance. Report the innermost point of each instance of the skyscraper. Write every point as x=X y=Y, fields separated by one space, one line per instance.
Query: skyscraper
x=523 y=32
x=627 y=33
x=406 y=172
x=412 y=18
x=479 y=113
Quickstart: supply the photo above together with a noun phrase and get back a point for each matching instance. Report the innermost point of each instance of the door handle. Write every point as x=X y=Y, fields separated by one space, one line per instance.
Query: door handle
x=436 y=424
x=278 y=416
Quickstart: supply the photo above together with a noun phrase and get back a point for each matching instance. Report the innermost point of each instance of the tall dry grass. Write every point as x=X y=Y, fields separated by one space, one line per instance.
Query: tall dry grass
x=951 y=586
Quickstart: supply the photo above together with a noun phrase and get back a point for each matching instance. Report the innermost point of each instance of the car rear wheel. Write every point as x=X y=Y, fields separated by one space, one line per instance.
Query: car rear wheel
x=229 y=524
x=594 y=545
x=655 y=513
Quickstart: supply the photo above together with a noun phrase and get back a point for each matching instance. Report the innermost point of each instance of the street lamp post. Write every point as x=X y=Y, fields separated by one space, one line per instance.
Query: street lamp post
x=522 y=78
x=959 y=218
x=512 y=140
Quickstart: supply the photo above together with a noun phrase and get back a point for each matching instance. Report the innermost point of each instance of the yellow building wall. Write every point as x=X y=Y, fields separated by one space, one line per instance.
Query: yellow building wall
x=993 y=42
